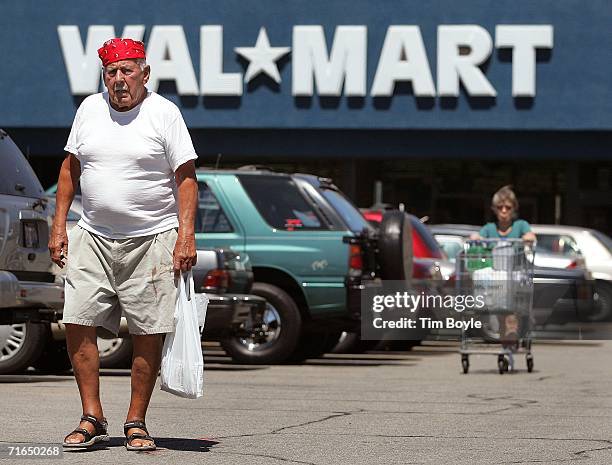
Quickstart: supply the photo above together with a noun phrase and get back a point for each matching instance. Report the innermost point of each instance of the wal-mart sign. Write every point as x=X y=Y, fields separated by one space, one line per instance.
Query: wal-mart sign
x=323 y=64
x=330 y=71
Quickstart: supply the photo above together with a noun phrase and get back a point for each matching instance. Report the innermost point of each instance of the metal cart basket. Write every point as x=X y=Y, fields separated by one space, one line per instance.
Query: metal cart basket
x=499 y=274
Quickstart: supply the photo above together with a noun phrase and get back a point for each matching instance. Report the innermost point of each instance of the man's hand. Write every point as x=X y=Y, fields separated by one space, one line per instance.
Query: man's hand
x=185 y=255
x=58 y=245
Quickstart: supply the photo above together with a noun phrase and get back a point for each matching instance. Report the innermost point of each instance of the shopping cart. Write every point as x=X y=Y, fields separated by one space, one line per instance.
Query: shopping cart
x=498 y=273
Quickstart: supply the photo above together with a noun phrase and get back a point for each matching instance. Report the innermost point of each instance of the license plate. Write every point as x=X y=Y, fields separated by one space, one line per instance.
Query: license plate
x=30 y=235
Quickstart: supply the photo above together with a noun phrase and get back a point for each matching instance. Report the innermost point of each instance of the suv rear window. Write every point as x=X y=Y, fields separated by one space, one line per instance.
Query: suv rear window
x=279 y=201
x=210 y=218
x=16 y=175
x=349 y=213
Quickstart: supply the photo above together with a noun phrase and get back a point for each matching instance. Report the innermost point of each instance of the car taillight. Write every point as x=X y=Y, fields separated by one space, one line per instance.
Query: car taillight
x=355 y=258
x=216 y=280
x=421 y=271
x=573 y=264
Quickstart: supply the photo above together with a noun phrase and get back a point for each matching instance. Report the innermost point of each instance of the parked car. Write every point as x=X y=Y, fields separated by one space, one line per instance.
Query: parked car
x=223 y=274
x=76 y=208
x=450 y=237
x=308 y=263
x=426 y=272
x=574 y=247
x=430 y=260
x=560 y=295
x=30 y=295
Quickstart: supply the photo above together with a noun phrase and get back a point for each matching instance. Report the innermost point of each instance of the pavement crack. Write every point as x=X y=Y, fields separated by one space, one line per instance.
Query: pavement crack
x=284 y=428
x=320 y=420
x=514 y=403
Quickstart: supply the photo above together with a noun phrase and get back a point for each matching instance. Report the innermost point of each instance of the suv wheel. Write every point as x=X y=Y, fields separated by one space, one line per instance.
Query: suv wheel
x=20 y=346
x=395 y=246
x=603 y=304
x=274 y=338
x=115 y=353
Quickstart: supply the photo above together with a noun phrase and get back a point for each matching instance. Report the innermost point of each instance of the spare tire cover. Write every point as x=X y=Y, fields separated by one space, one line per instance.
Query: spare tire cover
x=395 y=246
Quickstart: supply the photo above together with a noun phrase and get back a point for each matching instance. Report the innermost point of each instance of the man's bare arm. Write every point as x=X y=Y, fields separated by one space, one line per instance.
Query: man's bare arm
x=185 y=254
x=70 y=172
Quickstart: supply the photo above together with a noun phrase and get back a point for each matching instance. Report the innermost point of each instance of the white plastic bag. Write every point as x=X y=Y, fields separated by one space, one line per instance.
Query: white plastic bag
x=182 y=365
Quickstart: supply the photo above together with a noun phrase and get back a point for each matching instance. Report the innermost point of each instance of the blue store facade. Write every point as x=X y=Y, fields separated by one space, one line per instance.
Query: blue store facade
x=441 y=101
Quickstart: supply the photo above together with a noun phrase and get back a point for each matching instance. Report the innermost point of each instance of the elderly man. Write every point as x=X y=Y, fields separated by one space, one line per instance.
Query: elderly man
x=134 y=158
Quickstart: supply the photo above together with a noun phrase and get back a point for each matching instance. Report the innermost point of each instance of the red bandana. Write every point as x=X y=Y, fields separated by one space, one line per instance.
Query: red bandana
x=120 y=49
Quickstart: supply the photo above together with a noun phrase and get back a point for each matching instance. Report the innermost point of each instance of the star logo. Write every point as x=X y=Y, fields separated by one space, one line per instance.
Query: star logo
x=262 y=58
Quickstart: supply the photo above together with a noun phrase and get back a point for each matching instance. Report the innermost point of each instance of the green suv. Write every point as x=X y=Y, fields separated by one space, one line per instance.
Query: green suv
x=307 y=262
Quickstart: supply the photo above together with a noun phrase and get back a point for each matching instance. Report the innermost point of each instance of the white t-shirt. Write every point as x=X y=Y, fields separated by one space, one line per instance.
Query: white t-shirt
x=128 y=161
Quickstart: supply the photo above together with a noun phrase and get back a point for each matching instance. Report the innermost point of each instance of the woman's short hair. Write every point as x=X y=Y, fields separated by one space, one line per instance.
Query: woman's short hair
x=505 y=194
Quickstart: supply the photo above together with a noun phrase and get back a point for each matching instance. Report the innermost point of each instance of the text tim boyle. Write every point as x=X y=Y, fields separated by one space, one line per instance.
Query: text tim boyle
x=426 y=323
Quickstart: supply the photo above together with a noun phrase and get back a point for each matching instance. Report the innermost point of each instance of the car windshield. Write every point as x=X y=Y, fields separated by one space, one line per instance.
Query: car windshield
x=281 y=204
x=349 y=213
x=604 y=239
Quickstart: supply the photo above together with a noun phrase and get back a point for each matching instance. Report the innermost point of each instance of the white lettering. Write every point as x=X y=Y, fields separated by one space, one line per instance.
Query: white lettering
x=523 y=40
x=461 y=49
x=403 y=58
x=213 y=81
x=346 y=62
x=464 y=325
x=169 y=57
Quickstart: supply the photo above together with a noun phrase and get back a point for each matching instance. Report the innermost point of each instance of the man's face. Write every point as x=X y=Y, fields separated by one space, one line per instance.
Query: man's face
x=125 y=81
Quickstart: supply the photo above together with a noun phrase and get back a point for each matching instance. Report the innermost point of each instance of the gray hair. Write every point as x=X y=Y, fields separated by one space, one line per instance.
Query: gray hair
x=139 y=61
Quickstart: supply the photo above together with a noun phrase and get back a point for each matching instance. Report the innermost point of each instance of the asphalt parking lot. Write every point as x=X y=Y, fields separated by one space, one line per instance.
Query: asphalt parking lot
x=376 y=408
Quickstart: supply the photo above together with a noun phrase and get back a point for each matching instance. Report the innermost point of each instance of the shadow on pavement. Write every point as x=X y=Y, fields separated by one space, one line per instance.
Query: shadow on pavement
x=353 y=363
x=186 y=444
x=181 y=444
x=33 y=379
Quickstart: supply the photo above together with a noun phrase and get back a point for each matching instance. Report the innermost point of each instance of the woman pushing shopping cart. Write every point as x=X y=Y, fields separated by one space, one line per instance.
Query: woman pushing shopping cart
x=497 y=266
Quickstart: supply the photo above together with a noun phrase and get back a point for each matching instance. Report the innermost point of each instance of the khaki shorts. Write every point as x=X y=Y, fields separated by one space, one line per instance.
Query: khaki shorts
x=107 y=276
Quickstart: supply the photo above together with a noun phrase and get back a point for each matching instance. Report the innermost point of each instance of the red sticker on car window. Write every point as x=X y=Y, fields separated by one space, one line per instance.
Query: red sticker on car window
x=292 y=223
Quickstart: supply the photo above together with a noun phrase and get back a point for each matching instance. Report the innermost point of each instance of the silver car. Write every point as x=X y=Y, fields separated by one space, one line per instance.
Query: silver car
x=585 y=247
x=30 y=294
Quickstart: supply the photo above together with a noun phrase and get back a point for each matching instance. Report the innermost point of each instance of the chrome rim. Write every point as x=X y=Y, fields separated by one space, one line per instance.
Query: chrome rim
x=108 y=347
x=601 y=306
x=262 y=334
x=12 y=339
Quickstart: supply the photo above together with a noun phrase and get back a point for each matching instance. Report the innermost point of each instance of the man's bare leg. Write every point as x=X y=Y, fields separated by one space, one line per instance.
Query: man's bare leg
x=82 y=344
x=145 y=367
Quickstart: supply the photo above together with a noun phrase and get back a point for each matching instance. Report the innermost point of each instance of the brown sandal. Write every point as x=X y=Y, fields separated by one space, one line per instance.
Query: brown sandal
x=89 y=439
x=128 y=441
